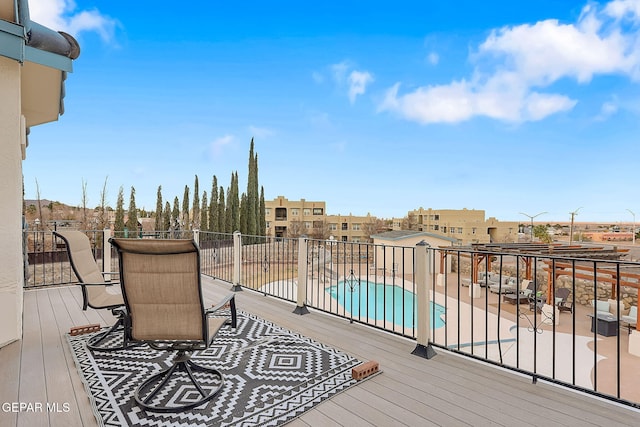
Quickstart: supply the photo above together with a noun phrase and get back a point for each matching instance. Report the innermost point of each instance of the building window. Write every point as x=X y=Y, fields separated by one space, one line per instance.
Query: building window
x=345 y=226
x=333 y=226
x=306 y=211
x=437 y=227
x=318 y=211
x=295 y=211
x=344 y=238
x=267 y=211
x=436 y=217
x=307 y=225
x=459 y=230
x=281 y=214
x=444 y=229
x=268 y=224
x=356 y=227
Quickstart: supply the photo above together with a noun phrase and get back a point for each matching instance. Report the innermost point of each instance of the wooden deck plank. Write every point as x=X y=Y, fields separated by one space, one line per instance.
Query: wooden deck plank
x=447 y=390
x=32 y=373
x=62 y=300
x=10 y=373
x=60 y=396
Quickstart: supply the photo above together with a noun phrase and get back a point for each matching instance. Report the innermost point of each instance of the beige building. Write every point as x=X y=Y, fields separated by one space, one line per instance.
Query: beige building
x=465 y=225
x=293 y=218
x=351 y=228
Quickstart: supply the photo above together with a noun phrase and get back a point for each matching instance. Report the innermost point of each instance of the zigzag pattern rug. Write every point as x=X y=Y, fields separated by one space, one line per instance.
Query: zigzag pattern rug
x=271 y=376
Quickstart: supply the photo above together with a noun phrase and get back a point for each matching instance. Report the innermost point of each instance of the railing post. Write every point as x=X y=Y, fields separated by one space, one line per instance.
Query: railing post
x=106 y=254
x=196 y=236
x=301 y=307
x=237 y=260
x=424 y=276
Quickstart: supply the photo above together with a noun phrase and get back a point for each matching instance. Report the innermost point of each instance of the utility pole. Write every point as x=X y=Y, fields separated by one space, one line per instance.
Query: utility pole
x=573 y=214
x=531 y=218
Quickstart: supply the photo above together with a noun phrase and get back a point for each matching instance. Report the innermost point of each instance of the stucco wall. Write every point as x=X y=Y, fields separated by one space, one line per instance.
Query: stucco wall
x=11 y=273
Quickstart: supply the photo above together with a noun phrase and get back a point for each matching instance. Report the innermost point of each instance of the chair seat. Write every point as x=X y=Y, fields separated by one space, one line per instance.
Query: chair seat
x=215 y=323
x=106 y=299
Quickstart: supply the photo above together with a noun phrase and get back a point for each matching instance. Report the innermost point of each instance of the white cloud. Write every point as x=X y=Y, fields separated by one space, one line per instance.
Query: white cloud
x=515 y=65
x=340 y=71
x=358 y=81
x=218 y=145
x=355 y=80
x=433 y=58
x=61 y=15
x=608 y=109
x=623 y=8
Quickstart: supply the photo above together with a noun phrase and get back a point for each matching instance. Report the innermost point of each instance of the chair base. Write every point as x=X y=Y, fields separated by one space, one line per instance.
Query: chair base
x=145 y=393
x=119 y=327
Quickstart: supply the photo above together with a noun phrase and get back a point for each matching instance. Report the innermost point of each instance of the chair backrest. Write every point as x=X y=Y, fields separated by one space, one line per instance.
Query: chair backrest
x=160 y=282
x=85 y=267
x=563 y=293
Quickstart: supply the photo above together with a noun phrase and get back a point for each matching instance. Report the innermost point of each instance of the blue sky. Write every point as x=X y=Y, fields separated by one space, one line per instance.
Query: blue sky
x=373 y=107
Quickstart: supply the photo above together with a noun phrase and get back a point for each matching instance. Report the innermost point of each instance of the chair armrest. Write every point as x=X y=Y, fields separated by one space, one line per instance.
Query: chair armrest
x=99 y=284
x=110 y=273
x=229 y=299
x=220 y=304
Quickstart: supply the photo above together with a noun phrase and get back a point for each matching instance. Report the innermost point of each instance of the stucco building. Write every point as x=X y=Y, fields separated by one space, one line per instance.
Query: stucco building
x=34 y=62
x=466 y=226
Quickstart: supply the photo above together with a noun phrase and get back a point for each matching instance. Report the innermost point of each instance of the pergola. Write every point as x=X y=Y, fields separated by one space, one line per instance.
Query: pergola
x=528 y=252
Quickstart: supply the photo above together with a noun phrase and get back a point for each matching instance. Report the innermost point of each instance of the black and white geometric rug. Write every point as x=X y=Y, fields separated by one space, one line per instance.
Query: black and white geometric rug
x=271 y=376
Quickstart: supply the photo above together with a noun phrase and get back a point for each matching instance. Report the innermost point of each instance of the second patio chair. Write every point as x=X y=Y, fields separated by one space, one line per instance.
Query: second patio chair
x=97 y=293
x=162 y=291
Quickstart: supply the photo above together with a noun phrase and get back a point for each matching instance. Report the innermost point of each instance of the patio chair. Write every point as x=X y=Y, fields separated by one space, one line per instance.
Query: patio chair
x=162 y=291
x=97 y=293
x=631 y=319
x=562 y=300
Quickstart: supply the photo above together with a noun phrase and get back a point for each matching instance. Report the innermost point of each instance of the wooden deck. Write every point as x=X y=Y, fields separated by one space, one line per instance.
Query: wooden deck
x=447 y=390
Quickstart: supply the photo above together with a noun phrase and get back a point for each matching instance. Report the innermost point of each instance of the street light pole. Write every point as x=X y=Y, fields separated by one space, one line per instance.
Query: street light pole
x=573 y=214
x=633 y=229
x=531 y=218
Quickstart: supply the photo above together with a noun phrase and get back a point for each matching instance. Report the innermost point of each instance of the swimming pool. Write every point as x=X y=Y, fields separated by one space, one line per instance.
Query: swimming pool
x=379 y=301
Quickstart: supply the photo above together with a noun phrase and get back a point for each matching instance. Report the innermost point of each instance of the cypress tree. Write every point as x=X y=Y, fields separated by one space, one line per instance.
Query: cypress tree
x=132 y=219
x=235 y=205
x=159 y=223
x=119 y=220
x=252 y=194
x=195 y=210
x=244 y=214
x=262 y=225
x=185 y=209
x=204 y=213
x=166 y=217
x=228 y=212
x=213 y=207
x=222 y=213
x=175 y=214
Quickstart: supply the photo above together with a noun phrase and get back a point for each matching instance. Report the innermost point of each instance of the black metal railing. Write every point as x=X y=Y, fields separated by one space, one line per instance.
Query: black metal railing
x=498 y=307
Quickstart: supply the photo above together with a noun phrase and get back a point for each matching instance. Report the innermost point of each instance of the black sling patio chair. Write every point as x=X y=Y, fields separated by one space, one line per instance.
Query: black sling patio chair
x=97 y=293
x=162 y=291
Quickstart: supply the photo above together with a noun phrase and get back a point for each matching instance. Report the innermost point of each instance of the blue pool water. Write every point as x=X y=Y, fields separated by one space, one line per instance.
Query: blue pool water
x=378 y=301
